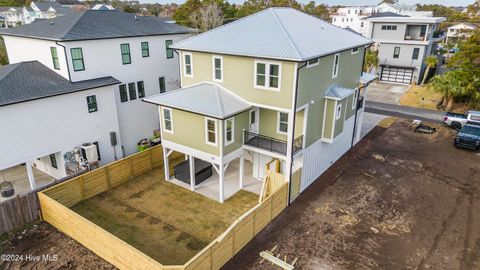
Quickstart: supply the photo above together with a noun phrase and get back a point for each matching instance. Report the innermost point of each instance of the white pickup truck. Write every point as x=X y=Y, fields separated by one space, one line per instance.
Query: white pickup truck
x=458 y=120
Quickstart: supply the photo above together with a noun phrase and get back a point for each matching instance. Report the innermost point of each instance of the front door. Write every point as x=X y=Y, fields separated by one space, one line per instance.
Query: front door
x=253 y=120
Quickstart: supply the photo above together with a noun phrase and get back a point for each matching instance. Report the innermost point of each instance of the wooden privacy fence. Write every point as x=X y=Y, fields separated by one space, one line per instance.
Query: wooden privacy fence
x=55 y=203
x=18 y=211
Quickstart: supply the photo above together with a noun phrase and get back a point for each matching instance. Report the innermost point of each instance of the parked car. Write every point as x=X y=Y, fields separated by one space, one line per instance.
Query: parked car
x=468 y=136
x=458 y=120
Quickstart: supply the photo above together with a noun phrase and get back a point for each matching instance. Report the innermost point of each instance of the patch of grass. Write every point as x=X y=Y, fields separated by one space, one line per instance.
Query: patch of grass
x=387 y=122
x=413 y=98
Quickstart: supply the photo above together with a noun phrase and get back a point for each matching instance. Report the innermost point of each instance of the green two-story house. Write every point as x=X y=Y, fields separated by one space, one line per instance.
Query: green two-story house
x=279 y=84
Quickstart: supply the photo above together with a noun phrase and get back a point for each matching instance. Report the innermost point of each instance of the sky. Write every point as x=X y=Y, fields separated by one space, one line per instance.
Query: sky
x=347 y=2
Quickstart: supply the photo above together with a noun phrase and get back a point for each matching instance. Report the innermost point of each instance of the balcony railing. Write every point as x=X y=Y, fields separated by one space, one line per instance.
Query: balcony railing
x=271 y=144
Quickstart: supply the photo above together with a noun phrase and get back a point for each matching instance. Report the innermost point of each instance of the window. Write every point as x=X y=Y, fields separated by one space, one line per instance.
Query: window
x=169 y=43
x=211 y=131
x=396 y=52
x=339 y=112
x=187 y=65
x=167 y=120
x=361 y=24
x=125 y=49
x=282 y=122
x=229 y=131
x=313 y=62
x=349 y=11
x=336 y=62
x=354 y=102
x=92 y=103
x=53 y=161
x=343 y=19
x=389 y=27
x=355 y=50
x=161 y=84
x=141 y=89
x=77 y=59
x=217 y=68
x=267 y=75
x=334 y=19
x=145 y=49
x=123 y=92
x=132 y=91
x=56 y=63
x=416 y=51
x=98 y=150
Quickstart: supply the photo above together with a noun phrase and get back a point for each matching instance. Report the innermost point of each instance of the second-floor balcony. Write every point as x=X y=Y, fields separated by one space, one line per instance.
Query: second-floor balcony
x=271 y=144
x=416 y=32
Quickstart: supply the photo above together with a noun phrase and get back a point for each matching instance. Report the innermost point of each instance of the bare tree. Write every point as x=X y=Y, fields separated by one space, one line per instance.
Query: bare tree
x=207 y=17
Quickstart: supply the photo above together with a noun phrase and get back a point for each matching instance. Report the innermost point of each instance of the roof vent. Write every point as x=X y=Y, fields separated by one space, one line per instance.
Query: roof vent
x=322 y=27
x=135 y=17
x=51 y=23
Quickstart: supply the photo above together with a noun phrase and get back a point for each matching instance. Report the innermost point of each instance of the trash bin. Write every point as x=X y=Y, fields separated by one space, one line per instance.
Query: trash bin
x=6 y=189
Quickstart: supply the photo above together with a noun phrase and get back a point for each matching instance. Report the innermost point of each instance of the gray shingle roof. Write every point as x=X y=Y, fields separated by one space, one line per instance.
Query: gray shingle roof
x=385 y=14
x=206 y=98
x=44 y=6
x=31 y=80
x=275 y=33
x=95 y=24
x=337 y=92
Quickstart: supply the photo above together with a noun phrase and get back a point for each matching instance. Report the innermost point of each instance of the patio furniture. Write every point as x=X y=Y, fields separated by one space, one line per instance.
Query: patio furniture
x=203 y=170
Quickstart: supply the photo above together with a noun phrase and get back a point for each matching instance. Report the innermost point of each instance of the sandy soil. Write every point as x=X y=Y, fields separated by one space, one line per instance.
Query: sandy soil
x=399 y=200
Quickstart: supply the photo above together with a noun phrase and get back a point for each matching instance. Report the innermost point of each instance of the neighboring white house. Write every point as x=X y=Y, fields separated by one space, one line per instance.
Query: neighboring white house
x=13 y=16
x=44 y=10
x=103 y=7
x=461 y=30
x=352 y=16
x=85 y=46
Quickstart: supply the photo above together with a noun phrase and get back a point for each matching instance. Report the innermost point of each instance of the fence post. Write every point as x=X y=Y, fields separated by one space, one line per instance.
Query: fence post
x=19 y=203
x=107 y=173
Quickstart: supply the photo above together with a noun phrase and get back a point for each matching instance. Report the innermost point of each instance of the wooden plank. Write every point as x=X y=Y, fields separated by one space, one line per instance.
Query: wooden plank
x=222 y=252
x=262 y=215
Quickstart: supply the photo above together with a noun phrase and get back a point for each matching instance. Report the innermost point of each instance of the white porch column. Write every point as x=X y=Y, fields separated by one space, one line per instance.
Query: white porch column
x=242 y=162
x=31 y=177
x=221 y=173
x=186 y=157
x=191 y=161
x=166 y=164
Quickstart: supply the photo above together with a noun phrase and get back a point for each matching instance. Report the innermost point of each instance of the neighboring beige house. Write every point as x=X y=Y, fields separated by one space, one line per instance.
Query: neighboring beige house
x=279 y=84
x=459 y=31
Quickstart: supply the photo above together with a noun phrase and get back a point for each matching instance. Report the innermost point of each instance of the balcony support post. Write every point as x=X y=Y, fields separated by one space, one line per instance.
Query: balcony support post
x=242 y=171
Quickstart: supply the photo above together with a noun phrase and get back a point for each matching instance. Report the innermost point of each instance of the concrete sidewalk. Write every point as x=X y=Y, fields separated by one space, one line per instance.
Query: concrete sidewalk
x=403 y=111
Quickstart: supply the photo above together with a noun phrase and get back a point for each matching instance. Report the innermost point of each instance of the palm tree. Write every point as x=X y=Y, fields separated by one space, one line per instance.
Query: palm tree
x=371 y=61
x=450 y=85
x=431 y=62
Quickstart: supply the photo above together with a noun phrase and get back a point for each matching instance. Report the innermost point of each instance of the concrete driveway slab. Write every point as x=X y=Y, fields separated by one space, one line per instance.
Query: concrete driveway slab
x=386 y=92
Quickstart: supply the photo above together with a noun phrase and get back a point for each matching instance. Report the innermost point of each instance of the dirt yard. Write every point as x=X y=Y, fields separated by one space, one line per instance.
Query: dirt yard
x=167 y=222
x=399 y=200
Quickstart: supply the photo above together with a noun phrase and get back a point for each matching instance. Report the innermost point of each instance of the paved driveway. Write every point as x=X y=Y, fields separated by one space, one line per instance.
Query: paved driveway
x=386 y=92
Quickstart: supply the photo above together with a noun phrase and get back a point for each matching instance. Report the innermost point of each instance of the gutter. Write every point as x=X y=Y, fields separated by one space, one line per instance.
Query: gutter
x=293 y=135
x=66 y=59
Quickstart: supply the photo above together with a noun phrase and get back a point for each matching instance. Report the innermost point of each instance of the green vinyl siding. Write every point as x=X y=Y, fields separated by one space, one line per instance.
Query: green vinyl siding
x=350 y=112
x=240 y=124
x=341 y=121
x=268 y=124
x=299 y=123
x=189 y=130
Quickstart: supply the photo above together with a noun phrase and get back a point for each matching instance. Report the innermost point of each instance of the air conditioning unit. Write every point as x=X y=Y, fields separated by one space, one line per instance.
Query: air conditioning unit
x=89 y=152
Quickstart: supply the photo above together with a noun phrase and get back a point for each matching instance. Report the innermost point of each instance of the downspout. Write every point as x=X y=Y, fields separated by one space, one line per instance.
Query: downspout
x=66 y=59
x=293 y=129
x=358 y=95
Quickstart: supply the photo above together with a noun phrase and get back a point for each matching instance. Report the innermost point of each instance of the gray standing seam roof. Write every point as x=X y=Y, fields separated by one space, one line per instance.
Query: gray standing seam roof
x=206 y=98
x=96 y=24
x=275 y=33
x=336 y=92
x=27 y=81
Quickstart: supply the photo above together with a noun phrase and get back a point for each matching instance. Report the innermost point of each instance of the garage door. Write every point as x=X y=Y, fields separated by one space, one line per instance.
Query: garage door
x=397 y=74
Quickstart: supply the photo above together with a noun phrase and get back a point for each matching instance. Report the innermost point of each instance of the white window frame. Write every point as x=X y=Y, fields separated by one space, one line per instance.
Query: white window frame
x=184 y=64
x=278 y=124
x=227 y=142
x=335 y=66
x=354 y=103
x=338 y=112
x=267 y=75
x=163 y=120
x=221 y=68
x=355 y=52
x=206 y=131
x=314 y=64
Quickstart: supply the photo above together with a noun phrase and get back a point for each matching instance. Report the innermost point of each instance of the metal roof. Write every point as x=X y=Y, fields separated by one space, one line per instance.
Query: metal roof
x=275 y=33
x=96 y=24
x=338 y=93
x=27 y=81
x=367 y=78
x=206 y=98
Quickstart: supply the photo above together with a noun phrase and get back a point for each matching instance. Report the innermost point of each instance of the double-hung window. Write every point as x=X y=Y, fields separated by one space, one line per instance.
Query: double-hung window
x=187 y=65
x=141 y=89
x=229 y=131
x=92 y=103
x=336 y=63
x=210 y=131
x=161 y=84
x=145 y=49
x=77 y=59
x=132 y=91
x=125 y=50
x=167 y=120
x=53 y=161
x=217 y=68
x=56 y=63
x=282 y=122
x=123 y=92
x=396 y=52
x=169 y=50
x=416 y=52
x=267 y=75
